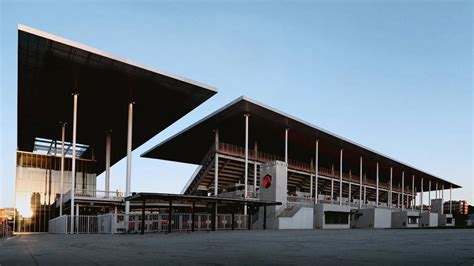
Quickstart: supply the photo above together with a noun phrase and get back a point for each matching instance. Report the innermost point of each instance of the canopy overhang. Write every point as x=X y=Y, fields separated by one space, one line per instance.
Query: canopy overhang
x=267 y=127
x=51 y=69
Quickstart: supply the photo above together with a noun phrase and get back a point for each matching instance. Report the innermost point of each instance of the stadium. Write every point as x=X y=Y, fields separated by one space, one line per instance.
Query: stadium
x=81 y=110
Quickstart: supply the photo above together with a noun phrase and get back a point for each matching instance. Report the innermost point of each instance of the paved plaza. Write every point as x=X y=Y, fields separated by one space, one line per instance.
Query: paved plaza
x=284 y=247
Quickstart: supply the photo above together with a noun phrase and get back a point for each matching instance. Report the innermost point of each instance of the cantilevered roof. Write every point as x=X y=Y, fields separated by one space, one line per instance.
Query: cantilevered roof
x=267 y=127
x=51 y=69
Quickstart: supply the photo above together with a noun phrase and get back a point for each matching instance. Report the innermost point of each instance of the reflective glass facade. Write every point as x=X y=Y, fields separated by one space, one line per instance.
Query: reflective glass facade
x=38 y=181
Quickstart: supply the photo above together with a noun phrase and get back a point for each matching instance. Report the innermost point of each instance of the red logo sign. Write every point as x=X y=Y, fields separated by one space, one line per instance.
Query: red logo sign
x=267 y=181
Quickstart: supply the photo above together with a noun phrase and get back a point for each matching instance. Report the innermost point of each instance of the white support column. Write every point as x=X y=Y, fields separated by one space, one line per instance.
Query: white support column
x=350 y=186
x=246 y=154
x=61 y=187
x=429 y=195
x=377 y=184
x=398 y=200
x=450 y=200
x=316 y=173
x=403 y=190
x=255 y=169
x=421 y=195
x=360 y=183
x=332 y=190
x=216 y=162
x=442 y=192
x=108 y=136
x=413 y=192
x=340 y=177
x=77 y=218
x=129 y=162
x=311 y=180
x=365 y=189
x=286 y=145
x=390 y=201
x=73 y=164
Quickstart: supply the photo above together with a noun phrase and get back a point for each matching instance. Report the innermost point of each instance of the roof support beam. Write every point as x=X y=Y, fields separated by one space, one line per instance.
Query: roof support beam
x=73 y=166
x=216 y=162
x=61 y=187
x=340 y=177
x=316 y=172
x=360 y=183
x=129 y=161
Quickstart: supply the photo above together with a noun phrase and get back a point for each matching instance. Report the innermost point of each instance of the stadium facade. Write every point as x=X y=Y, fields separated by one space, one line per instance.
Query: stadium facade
x=250 y=150
x=81 y=110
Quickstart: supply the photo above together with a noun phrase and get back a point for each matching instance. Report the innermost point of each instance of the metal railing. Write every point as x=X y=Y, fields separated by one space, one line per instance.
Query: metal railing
x=95 y=194
x=5 y=230
x=297 y=165
x=154 y=222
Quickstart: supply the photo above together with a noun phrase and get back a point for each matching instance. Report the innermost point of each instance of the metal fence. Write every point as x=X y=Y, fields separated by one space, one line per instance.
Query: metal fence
x=5 y=229
x=154 y=222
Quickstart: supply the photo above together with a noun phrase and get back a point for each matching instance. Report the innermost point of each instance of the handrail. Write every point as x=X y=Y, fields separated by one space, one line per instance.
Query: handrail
x=239 y=151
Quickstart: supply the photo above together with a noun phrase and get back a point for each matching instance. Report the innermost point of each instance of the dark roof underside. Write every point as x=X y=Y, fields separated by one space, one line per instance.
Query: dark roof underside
x=267 y=127
x=51 y=68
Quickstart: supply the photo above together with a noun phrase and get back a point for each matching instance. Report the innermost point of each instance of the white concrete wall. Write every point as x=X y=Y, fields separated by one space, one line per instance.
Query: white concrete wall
x=400 y=219
x=303 y=219
x=319 y=218
x=372 y=218
x=429 y=219
x=443 y=220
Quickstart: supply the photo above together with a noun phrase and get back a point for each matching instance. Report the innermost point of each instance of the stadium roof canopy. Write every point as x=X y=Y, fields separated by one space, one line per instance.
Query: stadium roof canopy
x=51 y=69
x=267 y=127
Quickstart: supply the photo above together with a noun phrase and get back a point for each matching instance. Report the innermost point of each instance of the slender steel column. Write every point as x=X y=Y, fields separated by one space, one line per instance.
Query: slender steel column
x=73 y=164
x=340 y=177
x=311 y=180
x=246 y=154
x=143 y=218
x=350 y=186
x=421 y=195
x=332 y=190
x=398 y=198
x=365 y=189
x=129 y=162
x=442 y=192
x=413 y=192
x=108 y=136
x=286 y=145
x=360 y=183
x=436 y=193
x=429 y=194
x=377 y=184
x=450 y=200
x=255 y=170
x=316 y=173
x=403 y=190
x=391 y=189
x=61 y=189
x=216 y=162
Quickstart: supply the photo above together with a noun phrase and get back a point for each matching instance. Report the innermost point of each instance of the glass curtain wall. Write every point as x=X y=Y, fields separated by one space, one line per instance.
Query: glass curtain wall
x=38 y=183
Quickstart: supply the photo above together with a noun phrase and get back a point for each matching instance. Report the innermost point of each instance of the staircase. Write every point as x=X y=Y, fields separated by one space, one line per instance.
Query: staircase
x=202 y=170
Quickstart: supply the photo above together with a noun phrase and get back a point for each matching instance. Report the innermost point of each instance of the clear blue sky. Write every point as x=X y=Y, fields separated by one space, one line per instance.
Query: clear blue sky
x=395 y=76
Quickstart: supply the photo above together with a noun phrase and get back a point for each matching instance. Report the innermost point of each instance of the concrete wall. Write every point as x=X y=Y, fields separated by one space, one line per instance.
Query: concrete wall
x=278 y=190
x=372 y=218
x=443 y=220
x=437 y=206
x=400 y=219
x=303 y=219
x=429 y=219
x=319 y=216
